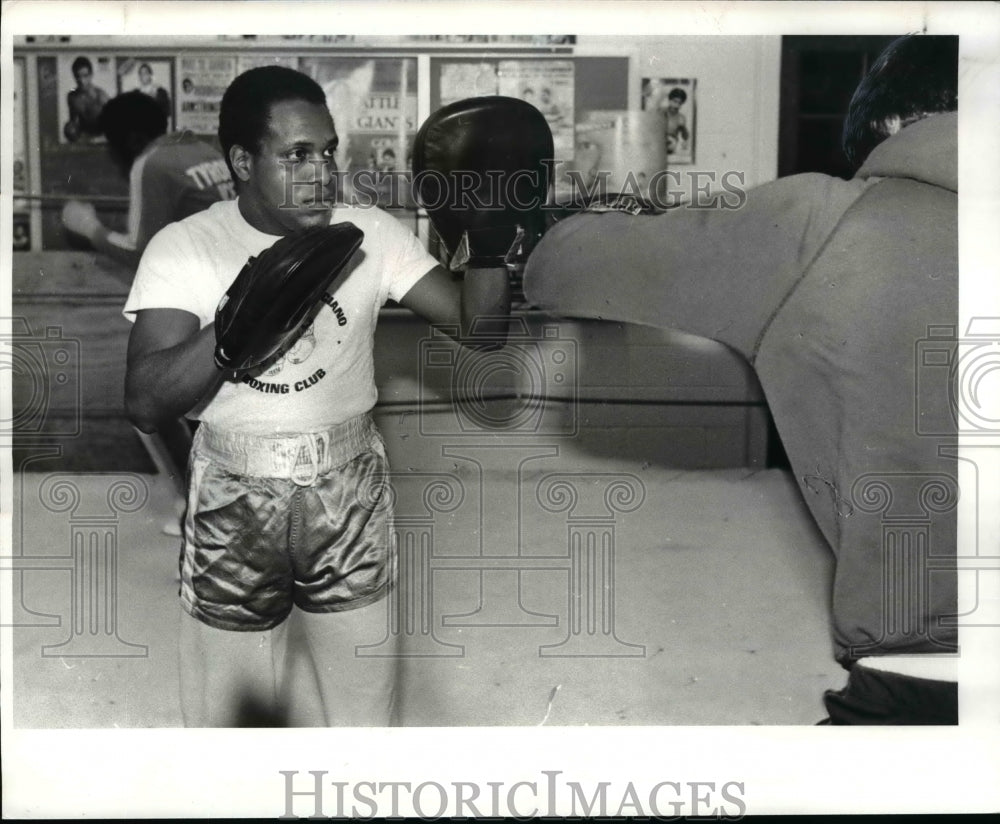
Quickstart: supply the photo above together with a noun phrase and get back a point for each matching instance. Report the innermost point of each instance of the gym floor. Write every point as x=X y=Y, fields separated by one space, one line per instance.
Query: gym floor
x=543 y=585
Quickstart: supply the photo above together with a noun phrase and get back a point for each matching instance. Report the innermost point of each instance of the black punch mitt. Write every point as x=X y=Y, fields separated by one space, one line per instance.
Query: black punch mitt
x=481 y=169
x=277 y=294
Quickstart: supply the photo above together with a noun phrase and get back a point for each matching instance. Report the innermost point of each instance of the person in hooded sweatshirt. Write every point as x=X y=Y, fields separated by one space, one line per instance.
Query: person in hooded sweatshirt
x=843 y=296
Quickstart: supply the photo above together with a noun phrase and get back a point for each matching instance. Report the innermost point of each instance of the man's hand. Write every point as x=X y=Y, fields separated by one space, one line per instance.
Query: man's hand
x=81 y=218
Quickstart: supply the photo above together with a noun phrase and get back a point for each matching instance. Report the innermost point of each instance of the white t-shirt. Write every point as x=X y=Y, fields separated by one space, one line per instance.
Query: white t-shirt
x=328 y=376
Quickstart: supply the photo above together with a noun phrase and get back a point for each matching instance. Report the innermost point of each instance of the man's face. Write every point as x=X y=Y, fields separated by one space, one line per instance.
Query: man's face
x=145 y=75
x=673 y=105
x=289 y=183
x=83 y=78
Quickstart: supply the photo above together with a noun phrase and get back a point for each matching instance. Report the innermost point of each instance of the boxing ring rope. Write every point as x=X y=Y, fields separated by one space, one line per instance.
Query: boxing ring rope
x=110 y=200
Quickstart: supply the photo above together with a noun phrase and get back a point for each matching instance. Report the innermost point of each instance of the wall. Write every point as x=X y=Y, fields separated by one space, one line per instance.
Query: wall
x=612 y=390
x=737 y=93
x=633 y=392
x=735 y=115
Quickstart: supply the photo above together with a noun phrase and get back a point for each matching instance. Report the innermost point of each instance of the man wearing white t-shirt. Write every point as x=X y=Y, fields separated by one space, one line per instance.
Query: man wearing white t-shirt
x=286 y=501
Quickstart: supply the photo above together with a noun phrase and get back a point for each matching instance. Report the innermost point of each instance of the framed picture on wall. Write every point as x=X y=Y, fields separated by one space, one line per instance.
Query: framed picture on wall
x=154 y=77
x=674 y=97
x=85 y=82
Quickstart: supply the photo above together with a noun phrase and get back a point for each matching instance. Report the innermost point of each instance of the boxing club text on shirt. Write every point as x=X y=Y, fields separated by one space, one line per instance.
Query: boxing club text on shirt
x=298 y=353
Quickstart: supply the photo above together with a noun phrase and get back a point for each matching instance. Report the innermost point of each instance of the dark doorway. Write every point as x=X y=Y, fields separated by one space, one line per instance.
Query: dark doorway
x=818 y=76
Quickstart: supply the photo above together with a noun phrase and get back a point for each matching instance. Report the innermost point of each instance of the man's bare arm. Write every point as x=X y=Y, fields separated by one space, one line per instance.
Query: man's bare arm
x=477 y=306
x=171 y=366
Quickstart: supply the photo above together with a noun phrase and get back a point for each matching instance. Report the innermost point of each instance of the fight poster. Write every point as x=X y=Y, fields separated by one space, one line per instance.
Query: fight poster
x=203 y=81
x=549 y=86
x=617 y=152
x=245 y=62
x=374 y=107
x=462 y=80
x=153 y=77
x=85 y=82
x=19 y=157
x=674 y=99
x=19 y=144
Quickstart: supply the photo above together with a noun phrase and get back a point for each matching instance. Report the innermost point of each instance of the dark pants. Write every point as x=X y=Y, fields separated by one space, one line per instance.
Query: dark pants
x=876 y=697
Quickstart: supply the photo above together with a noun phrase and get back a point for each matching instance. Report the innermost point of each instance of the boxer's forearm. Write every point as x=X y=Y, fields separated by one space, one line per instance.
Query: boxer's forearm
x=165 y=384
x=80 y=217
x=101 y=240
x=486 y=307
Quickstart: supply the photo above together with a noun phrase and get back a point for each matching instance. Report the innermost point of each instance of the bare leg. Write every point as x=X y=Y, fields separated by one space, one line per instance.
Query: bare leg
x=298 y=687
x=229 y=679
x=356 y=691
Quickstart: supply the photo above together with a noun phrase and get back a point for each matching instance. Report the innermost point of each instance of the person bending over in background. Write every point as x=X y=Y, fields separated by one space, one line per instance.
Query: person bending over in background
x=171 y=176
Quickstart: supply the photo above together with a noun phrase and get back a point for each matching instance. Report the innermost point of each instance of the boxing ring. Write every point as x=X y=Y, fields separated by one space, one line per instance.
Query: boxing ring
x=586 y=527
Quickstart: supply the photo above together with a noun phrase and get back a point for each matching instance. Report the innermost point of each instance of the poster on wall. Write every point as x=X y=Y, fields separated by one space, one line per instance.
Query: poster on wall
x=617 y=152
x=374 y=106
x=85 y=82
x=22 y=232
x=462 y=80
x=19 y=158
x=517 y=40
x=202 y=82
x=19 y=144
x=549 y=86
x=245 y=62
x=154 y=77
x=674 y=98
x=384 y=41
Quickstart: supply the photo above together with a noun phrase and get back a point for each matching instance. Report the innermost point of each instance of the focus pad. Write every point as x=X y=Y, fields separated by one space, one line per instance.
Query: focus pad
x=277 y=294
x=482 y=166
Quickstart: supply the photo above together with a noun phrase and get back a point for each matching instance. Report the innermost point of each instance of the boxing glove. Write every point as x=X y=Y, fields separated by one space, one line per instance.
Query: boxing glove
x=481 y=170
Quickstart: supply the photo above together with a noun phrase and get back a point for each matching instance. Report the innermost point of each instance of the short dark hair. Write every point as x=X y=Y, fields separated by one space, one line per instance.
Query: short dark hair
x=677 y=94
x=914 y=77
x=130 y=113
x=81 y=63
x=245 y=111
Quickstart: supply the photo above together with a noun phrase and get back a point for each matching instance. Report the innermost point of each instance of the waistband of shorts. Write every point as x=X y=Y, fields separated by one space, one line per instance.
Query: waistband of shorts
x=300 y=457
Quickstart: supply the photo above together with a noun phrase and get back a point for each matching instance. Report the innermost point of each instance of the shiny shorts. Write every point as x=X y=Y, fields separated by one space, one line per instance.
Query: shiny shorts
x=274 y=522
